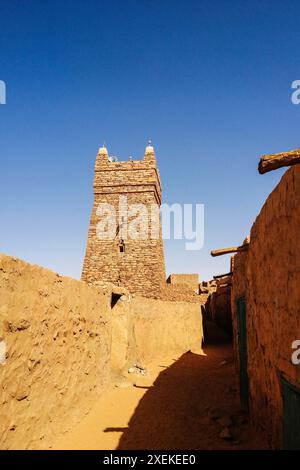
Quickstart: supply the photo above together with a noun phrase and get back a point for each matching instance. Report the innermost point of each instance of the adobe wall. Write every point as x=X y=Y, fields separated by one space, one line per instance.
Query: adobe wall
x=55 y=335
x=60 y=341
x=148 y=329
x=273 y=298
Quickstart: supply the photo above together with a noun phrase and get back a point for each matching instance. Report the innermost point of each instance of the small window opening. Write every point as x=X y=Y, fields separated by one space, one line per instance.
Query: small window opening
x=122 y=247
x=114 y=299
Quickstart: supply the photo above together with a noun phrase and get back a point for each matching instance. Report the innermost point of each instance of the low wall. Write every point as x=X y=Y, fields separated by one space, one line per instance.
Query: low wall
x=191 y=280
x=147 y=329
x=181 y=293
x=54 y=353
x=60 y=341
x=269 y=278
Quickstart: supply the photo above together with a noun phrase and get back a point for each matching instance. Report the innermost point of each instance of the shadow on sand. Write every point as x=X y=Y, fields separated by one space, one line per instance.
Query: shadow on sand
x=174 y=412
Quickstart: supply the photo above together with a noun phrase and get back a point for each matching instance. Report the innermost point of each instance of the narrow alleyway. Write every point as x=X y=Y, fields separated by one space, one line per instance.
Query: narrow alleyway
x=186 y=402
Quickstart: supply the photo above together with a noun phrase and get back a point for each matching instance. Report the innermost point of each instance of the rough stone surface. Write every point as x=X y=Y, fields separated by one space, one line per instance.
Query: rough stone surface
x=140 y=267
x=181 y=293
x=189 y=280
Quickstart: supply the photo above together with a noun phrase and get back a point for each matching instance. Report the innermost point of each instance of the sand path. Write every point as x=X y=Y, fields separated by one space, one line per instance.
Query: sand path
x=184 y=403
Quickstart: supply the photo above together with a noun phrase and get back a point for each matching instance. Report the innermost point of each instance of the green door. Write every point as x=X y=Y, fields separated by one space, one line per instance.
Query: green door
x=291 y=416
x=242 y=346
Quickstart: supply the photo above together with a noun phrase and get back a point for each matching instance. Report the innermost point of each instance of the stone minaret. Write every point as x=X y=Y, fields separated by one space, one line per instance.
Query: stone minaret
x=135 y=263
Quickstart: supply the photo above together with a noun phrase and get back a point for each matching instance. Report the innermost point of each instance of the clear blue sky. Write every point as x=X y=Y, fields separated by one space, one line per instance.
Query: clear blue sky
x=208 y=81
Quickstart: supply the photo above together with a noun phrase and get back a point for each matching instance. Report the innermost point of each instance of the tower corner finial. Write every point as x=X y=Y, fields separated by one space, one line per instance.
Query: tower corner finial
x=103 y=150
x=149 y=149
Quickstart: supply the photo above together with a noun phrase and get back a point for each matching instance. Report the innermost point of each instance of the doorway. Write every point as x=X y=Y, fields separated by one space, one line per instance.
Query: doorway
x=242 y=349
x=291 y=416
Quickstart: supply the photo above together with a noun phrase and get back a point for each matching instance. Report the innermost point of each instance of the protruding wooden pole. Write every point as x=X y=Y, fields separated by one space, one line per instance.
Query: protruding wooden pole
x=219 y=276
x=233 y=249
x=278 y=160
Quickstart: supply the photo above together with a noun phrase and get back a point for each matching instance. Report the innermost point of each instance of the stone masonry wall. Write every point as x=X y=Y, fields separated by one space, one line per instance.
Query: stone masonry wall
x=271 y=288
x=140 y=267
x=191 y=280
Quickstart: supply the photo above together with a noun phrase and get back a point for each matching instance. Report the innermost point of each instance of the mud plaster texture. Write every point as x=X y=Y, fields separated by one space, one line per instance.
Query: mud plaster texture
x=62 y=346
x=268 y=276
x=57 y=336
x=146 y=329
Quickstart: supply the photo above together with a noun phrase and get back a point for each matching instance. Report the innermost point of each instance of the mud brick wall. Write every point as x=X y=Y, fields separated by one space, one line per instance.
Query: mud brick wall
x=55 y=340
x=61 y=343
x=146 y=329
x=271 y=287
x=141 y=267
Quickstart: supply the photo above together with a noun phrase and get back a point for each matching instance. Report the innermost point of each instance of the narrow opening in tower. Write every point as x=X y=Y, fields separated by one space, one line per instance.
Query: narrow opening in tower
x=114 y=299
x=122 y=247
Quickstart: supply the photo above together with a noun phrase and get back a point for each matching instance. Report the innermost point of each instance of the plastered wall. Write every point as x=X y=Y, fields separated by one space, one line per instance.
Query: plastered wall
x=55 y=334
x=148 y=329
x=269 y=278
x=62 y=345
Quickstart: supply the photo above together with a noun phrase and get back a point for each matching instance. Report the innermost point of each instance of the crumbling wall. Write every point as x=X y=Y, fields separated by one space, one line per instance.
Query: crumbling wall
x=180 y=293
x=207 y=287
x=148 y=329
x=272 y=296
x=190 y=280
x=55 y=342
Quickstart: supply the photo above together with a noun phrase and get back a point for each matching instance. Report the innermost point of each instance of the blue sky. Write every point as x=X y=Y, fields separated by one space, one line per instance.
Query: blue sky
x=208 y=81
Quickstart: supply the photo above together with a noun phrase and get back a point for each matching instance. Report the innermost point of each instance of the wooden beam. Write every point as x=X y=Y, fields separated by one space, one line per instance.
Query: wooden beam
x=233 y=249
x=218 y=276
x=278 y=160
x=223 y=280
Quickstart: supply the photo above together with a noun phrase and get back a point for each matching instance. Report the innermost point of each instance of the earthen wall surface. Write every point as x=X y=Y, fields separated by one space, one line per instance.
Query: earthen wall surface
x=148 y=329
x=56 y=334
x=62 y=345
x=271 y=289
